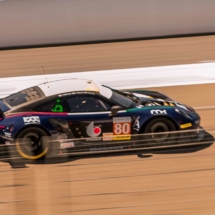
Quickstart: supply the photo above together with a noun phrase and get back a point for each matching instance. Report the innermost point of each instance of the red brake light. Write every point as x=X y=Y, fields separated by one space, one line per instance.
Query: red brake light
x=2 y=127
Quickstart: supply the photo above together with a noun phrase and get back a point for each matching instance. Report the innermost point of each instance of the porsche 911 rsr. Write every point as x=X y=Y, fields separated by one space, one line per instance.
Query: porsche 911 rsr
x=83 y=109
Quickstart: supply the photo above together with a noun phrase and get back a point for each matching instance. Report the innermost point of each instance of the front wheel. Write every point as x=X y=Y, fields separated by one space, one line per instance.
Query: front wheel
x=159 y=130
x=31 y=144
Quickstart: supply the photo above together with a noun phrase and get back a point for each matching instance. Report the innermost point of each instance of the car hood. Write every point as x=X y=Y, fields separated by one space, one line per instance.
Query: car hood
x=147 y=94
x=162 y=102
x=152 y=98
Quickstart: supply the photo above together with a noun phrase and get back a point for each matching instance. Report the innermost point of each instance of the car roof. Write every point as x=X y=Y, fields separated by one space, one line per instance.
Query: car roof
x=71 y=85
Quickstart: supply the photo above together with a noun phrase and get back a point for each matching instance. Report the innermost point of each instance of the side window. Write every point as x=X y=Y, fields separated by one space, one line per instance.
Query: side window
x=56 y=106
x=87 y=103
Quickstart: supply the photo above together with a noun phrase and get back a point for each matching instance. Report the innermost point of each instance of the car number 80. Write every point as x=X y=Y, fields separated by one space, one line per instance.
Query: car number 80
x=122 y=128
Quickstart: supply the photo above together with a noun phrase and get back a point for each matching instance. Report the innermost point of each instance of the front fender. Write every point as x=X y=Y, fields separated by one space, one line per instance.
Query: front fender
x=145 y=114
x=160 y=117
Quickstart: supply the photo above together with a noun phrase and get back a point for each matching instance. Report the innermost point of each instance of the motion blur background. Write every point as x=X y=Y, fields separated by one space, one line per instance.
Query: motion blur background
x=76 y=36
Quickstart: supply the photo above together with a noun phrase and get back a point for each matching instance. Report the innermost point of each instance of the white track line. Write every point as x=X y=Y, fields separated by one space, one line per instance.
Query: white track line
x=204 y=107
x=200 y=73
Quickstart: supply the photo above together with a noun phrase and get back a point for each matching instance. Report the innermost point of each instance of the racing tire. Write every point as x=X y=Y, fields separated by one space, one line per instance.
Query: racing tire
x=31 y=143
x=160 y=125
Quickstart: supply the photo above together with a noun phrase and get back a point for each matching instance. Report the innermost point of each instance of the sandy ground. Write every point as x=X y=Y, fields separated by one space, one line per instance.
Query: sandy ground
x=158 y=185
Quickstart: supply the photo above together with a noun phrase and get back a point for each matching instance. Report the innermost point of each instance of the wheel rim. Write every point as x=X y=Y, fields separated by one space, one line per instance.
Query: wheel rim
x=160 y=128
x=33 y=141
x=31 y=145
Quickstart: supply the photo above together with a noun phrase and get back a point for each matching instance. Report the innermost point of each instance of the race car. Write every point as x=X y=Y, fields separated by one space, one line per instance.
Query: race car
x=86 y=110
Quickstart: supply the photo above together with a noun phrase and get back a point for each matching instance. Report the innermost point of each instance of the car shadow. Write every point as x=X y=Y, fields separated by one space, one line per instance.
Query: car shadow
x=21 y=163
x=207 y=141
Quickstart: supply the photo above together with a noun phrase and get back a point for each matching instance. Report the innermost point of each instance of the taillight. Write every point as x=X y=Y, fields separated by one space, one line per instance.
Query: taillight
x=2 y=127
x=1 y=114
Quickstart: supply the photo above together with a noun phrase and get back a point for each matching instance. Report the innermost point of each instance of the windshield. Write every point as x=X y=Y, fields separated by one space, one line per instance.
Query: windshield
x=122 y=100
x=130 y=96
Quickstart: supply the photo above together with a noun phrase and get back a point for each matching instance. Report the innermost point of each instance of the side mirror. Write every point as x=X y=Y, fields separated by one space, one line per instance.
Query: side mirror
x=114 y=110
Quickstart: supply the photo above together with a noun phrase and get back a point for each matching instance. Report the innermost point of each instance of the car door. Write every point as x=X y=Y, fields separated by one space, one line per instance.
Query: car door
x=53 y=114
x=90 y=117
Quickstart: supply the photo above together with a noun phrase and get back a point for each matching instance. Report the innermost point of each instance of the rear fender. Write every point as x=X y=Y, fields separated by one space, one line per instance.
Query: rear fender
x=33 y=125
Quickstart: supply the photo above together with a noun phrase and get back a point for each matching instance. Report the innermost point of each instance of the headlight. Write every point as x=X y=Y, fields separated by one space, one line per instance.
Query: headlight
x=182 y=112
x=197 y=121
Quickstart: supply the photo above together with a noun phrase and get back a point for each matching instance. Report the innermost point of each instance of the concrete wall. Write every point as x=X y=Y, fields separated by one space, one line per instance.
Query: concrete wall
x=35 y=22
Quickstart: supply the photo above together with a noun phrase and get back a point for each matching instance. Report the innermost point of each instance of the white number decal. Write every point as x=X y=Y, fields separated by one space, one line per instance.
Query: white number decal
x=122 y=128
x=126 y=128
x=117 y=128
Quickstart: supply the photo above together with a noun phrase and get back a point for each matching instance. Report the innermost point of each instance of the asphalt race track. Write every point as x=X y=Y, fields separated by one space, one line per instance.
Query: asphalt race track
x=161 y=184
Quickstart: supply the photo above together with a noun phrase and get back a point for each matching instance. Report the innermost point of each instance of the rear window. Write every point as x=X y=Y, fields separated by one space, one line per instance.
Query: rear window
x=24 y=96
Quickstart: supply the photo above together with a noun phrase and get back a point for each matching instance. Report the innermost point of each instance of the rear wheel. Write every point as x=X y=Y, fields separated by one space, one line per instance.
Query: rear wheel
x=160 y=130
x=31 y=144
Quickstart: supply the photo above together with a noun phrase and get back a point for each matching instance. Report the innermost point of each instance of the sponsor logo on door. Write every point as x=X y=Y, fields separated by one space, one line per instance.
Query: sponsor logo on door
x=93 y=131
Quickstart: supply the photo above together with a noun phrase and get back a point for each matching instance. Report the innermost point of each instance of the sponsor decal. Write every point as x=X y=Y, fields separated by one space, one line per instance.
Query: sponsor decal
x=107 y=148
x=67 y=145
x=58 y=106
x=122 y=137
x=65 y=94
x=31 y=120
x=136 y=125
x=121 y=128
x=107 y=136
x=93 y=131
x=158 y=112
x=94 y=139
x=7 y=134
x=186 y=125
